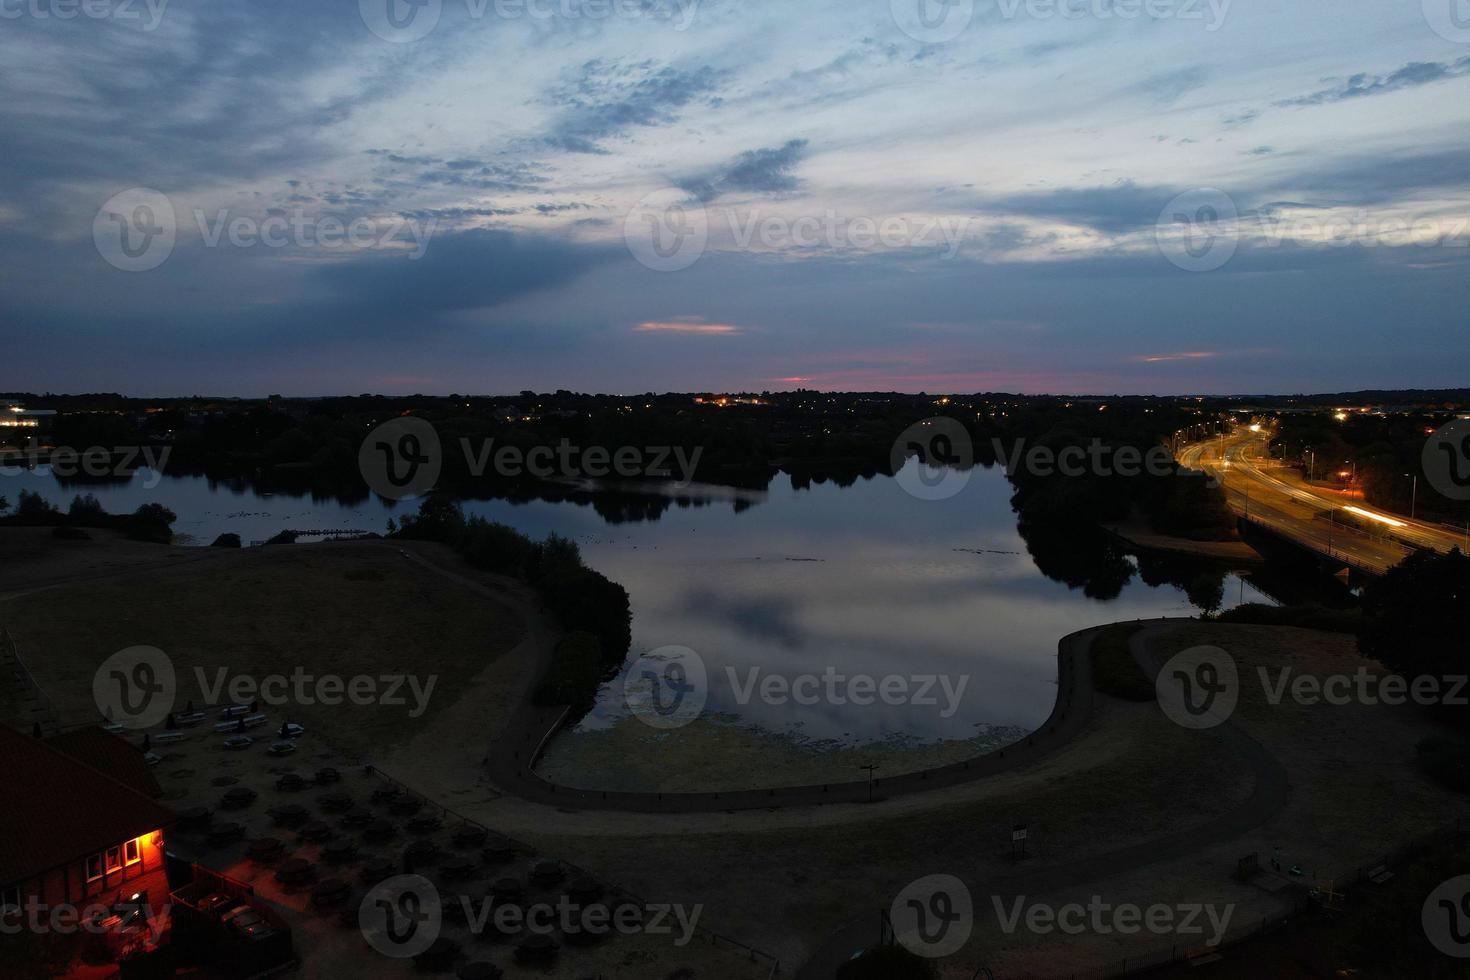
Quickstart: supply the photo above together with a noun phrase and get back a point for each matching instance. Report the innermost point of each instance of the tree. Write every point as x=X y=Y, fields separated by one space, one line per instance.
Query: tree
x=1414 y=616
x=1207 y=591
x=152 y=522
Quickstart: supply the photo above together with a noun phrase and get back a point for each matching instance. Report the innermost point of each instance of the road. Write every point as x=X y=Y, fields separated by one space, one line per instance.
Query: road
x=1330 y=523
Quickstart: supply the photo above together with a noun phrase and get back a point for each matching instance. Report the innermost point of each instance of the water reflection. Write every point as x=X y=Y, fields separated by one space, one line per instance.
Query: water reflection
x=807 y=576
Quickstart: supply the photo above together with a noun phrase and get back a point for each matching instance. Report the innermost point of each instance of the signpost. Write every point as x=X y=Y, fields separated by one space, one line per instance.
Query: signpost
x=1020 y=833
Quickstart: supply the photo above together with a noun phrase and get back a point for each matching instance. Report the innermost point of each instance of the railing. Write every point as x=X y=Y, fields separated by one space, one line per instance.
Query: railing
x=45 y=713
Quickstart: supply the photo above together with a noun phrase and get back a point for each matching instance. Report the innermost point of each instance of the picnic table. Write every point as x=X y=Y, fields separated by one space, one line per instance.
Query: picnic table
x=339 y=851
x=290 y=815
x=265 y=849
x=536 y=948
x=377 y=869
x=379 y=830
x=225 y=833
x=329 y=892
x=295 y=871
x=238 y=797
x=315 y=832
x=336 y=802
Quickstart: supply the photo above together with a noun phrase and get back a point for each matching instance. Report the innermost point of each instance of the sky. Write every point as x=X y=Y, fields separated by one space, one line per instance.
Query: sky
x=483 y=196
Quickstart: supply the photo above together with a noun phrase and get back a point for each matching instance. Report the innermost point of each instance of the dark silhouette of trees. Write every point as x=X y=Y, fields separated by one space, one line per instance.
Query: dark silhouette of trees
x=1414 y=619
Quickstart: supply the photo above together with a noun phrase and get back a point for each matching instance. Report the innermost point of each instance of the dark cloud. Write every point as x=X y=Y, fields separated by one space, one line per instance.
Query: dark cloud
x=606 y=98
x=1366 y=181
x=486 y=175
x=1363 y=85
x=1122 y=207
x=761 y=171
x=464 y=270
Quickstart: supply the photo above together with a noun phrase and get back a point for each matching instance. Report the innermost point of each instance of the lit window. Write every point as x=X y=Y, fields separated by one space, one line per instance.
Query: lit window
x=130 y=852
x=114 y=858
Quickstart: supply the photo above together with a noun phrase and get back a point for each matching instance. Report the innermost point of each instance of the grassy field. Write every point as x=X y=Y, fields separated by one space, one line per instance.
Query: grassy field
x=349 y=609
x=1114 y=671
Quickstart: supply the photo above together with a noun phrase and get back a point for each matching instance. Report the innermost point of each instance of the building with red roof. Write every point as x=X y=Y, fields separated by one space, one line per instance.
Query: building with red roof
x=81 y=823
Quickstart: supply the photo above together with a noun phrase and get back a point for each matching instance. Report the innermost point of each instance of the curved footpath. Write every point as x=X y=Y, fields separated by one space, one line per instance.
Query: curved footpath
x=1268 y=798
x=514 y=754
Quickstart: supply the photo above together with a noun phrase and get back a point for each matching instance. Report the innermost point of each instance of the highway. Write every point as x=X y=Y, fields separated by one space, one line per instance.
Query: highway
x=1332 y=524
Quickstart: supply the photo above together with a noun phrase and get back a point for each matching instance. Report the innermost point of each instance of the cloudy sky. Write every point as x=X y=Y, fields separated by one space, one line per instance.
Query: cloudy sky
x=257 y=196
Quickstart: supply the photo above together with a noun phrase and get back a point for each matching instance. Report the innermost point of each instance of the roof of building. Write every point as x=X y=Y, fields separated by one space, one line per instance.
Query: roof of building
x=109 y=755
x=58 y=809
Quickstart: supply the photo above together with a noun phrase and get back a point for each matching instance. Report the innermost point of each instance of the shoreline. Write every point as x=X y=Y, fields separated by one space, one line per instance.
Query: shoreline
x=519 y=747
x=1236 y=552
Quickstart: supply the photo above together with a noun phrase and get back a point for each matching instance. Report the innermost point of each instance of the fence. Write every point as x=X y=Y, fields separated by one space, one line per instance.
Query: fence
x=41 y=711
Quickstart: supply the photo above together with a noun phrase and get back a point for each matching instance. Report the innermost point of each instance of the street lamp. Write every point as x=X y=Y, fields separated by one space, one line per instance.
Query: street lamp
x=1414 y=495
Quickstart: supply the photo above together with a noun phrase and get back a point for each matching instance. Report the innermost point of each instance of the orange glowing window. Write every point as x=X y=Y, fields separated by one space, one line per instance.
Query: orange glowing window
x=131 y=852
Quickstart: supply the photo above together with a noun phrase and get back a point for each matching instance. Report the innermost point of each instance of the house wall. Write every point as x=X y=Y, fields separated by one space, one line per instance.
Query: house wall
x=69 y=883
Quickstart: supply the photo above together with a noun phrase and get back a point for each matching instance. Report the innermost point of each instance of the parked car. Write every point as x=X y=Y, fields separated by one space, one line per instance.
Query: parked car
x=247 y=922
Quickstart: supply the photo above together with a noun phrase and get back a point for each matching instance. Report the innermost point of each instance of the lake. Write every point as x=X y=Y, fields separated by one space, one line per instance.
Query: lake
x=822 y=582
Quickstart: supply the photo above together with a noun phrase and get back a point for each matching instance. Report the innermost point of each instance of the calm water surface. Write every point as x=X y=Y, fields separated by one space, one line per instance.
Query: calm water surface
x=862 y=579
